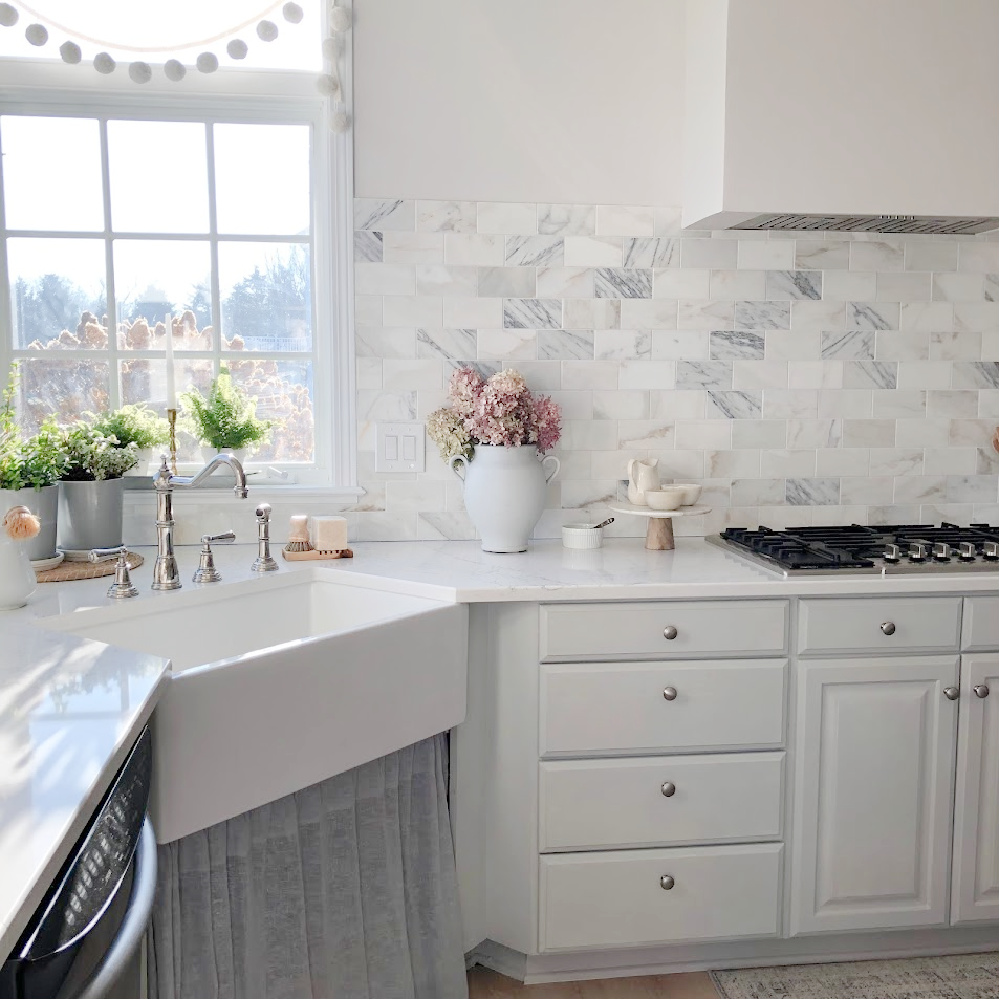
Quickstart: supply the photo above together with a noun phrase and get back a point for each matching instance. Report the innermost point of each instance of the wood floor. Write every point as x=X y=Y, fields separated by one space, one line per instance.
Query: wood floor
x=693 y=985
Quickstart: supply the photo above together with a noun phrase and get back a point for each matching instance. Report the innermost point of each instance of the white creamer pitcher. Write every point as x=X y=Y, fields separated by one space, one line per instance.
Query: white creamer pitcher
x=642 y=476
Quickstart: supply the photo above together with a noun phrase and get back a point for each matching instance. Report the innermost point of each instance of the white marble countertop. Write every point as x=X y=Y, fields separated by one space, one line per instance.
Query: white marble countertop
x=70 y=708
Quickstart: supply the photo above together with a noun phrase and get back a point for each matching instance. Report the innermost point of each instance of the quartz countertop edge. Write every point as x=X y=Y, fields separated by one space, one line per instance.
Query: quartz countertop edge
x=57 y=763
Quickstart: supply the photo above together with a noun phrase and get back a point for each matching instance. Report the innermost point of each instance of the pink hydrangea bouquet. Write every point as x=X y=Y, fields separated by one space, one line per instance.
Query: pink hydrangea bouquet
x=500 y=410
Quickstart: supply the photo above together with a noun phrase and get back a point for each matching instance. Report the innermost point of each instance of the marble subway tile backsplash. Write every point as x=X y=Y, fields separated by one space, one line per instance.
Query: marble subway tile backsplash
x=802 y=378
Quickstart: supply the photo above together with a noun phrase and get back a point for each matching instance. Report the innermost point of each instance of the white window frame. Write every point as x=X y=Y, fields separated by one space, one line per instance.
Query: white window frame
x=43 y=88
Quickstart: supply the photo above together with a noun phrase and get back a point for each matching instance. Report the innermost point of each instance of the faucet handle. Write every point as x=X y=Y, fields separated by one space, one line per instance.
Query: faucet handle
x=206 y=571
x=123 y=586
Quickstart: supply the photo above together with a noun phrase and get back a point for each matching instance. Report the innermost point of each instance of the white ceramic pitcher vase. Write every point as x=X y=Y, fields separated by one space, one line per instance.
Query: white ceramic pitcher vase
x=504 y=492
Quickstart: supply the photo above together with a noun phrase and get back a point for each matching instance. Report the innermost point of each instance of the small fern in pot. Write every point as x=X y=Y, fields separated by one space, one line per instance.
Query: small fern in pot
x=134 y=424
x=225 y=420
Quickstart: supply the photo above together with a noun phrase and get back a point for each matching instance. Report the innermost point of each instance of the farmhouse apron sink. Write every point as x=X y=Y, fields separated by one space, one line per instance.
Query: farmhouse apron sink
x=281 y=682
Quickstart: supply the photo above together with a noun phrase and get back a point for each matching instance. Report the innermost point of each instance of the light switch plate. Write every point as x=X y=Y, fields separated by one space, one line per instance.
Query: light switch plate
x=400 y=446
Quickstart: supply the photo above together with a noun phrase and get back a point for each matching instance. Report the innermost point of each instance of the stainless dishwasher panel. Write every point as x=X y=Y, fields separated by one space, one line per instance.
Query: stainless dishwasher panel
x=99 y=905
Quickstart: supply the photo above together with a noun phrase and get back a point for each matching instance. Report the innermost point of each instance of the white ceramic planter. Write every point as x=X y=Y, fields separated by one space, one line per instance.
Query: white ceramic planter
x=90 y=515
x=504 y=493
x=44 y=503
x=141 y=468
x=17 y=578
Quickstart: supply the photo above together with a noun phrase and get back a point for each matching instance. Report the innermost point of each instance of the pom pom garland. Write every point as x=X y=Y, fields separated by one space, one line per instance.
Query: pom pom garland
x=292 y=13
x=8 y=15
x=70 y=52
x=237 y=49
x=207 y=62
x=20 y=524
x=174 y=70
x=37 y=34
x=103 y=63
x=340 y=18
x=329 y=85
x=140 y=72
x=267 y=31
x=331 y=49
x=339 y=122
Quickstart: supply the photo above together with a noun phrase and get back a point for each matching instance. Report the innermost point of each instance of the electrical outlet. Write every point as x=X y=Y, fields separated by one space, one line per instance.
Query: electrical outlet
x=400 y=446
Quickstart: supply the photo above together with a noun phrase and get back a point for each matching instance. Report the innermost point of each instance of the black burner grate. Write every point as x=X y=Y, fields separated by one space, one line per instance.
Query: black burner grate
x=848 y=547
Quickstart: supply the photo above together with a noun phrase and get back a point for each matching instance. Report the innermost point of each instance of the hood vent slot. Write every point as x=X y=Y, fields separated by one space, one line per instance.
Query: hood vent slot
x=906 y=224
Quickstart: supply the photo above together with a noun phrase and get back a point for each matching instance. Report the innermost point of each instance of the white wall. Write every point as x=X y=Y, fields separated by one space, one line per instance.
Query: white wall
x=520 y=100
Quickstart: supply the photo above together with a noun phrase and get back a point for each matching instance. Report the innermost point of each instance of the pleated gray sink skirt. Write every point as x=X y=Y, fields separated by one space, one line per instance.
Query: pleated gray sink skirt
x=343 y=889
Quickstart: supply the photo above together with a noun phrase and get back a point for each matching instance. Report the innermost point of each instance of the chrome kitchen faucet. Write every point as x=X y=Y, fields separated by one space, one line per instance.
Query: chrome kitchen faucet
x=165 y=575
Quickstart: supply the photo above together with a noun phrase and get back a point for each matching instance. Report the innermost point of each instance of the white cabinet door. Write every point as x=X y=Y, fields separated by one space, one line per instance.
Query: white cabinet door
x=875 y=758
x=974 y=893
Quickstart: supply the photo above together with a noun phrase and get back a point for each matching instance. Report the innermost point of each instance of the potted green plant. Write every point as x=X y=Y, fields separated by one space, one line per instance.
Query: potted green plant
x=92 y=489
x=226 y=420
x=134 y=424
x=30 y=470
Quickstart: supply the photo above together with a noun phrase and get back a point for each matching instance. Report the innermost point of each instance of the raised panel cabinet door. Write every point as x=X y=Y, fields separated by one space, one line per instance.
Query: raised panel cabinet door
x=875 y=759
x=974 y=885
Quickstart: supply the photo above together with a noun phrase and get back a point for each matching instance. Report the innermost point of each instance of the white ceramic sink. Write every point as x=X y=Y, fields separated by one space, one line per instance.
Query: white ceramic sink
x=280 y=682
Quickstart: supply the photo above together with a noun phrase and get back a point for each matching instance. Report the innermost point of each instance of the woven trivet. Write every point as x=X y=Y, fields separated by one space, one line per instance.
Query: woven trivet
x=67 y=571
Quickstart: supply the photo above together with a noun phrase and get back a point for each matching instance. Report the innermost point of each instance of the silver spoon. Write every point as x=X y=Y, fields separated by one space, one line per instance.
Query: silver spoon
x=603 y=524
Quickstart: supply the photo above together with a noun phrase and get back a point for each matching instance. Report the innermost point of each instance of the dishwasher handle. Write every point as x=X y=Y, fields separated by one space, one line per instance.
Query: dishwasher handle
x=136 y=920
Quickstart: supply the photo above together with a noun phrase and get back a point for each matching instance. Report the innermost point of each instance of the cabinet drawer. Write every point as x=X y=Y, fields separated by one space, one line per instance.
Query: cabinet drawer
x=659 y=801
x=979 y=623
x=620 y=631
x=913 y=624
x=588 y=708
x=611 y=898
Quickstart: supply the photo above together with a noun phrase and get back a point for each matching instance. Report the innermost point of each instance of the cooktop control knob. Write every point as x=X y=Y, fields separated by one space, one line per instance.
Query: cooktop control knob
x=892 y=553
x=918 y=551
x=991 y=550
x=942 y=551
x=967 y=551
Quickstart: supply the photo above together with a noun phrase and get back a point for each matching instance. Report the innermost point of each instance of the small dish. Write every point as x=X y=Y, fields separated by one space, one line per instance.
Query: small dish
x=582 y=536
x=691 y=492
x=665 y=498
x=40 y=565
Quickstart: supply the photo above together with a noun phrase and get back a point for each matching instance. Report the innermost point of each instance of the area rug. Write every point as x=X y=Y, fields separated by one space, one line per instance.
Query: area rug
x=947 y=977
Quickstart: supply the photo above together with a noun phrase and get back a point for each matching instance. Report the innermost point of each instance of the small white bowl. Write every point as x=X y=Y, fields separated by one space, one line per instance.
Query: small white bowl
x=691 y=493
x=665 y=498
x=582 y=536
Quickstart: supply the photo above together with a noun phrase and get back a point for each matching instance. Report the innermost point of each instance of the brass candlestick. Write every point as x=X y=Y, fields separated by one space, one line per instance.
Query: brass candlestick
x=172 y=420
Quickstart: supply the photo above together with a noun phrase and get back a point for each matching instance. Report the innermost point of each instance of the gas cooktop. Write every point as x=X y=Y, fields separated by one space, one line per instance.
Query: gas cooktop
x=857 y=548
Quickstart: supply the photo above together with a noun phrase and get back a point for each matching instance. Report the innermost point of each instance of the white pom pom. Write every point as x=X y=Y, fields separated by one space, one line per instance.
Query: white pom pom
x=103 y=63
x=207 y=62
x=267 y=31
x=140 y=72
x=174 y=70
x=339 y=122
x=8 y=15
x=328 y=84
x=70 y=53
x=331 y=49
x=340 y=18
x=37 y=34
x=237 y=49
x=292 y=13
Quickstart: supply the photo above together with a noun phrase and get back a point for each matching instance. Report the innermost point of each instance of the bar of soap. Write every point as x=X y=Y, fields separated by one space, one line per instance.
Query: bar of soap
x=328 y=532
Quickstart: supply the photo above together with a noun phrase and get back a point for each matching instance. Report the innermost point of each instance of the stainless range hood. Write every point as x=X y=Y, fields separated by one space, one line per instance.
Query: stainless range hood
x=841 y=115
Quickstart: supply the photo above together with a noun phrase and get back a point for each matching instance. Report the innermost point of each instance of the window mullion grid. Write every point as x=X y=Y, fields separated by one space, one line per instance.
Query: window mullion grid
x=109 y=265
x=213 y=244
x=6 y=311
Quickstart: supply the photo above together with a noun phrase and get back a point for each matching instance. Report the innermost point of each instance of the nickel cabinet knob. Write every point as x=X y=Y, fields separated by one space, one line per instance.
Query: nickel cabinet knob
x=980 y=691
x=888 y=628
x=669 y=693
x=951 y=693
x=670 y=632
x=666 y=881
x=668 y=788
